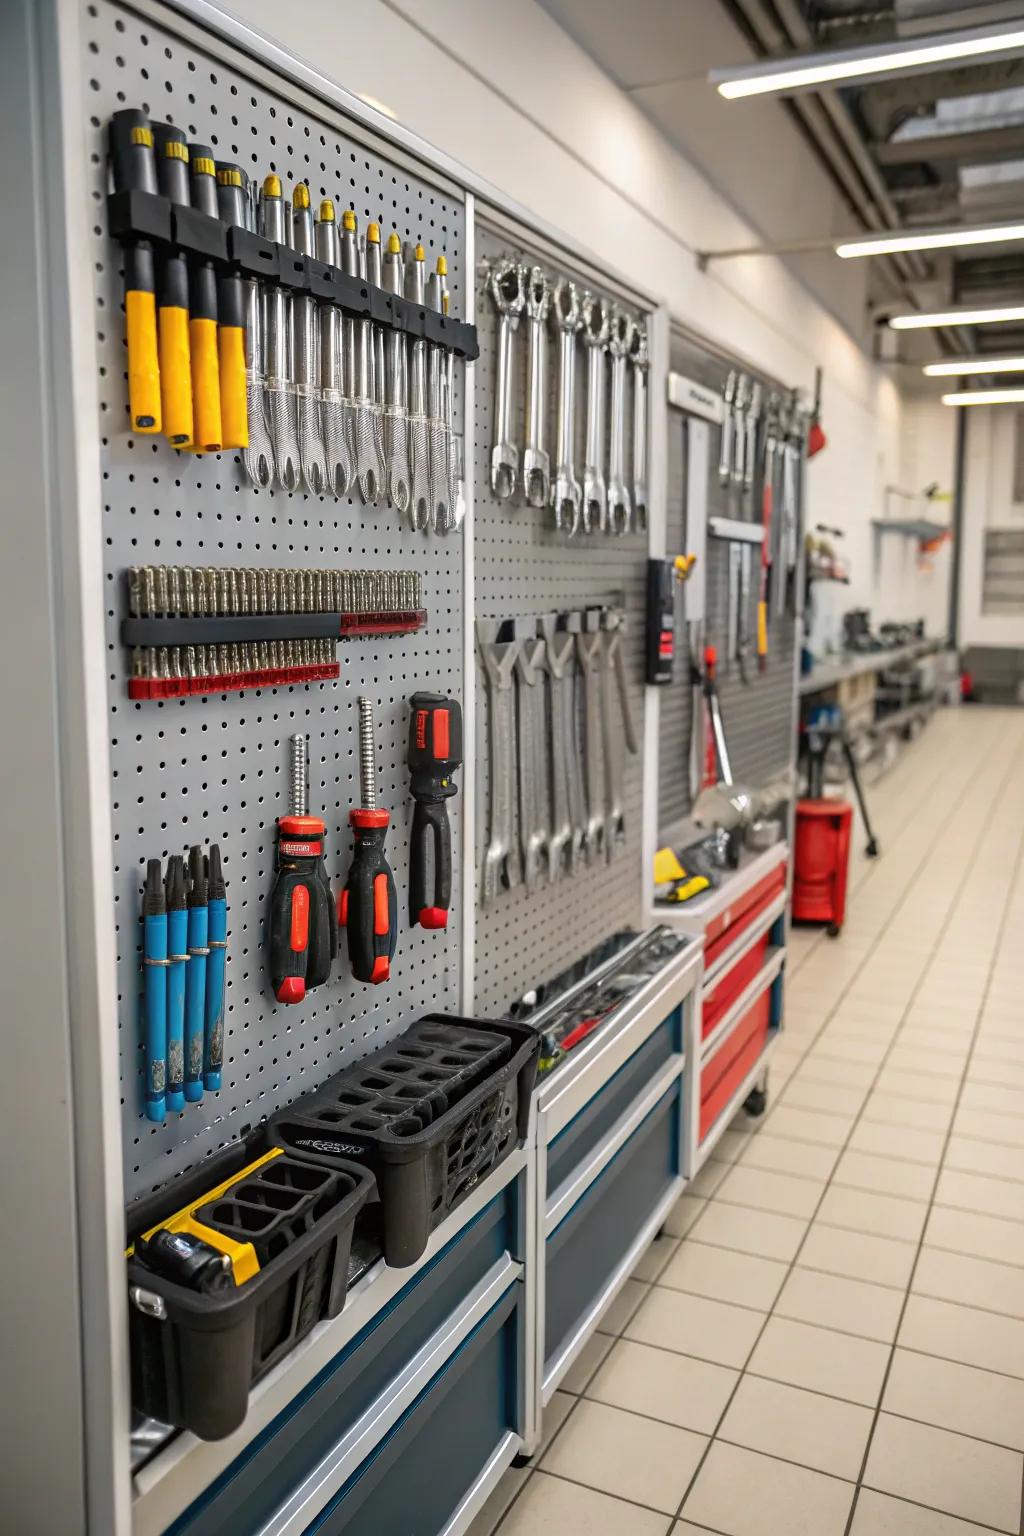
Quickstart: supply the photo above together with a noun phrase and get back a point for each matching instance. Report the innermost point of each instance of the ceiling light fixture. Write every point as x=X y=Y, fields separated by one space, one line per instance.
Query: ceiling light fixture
x=985 y=397
x=873 y=61
x=954 y=367
x=964 y=314
x=947 y=237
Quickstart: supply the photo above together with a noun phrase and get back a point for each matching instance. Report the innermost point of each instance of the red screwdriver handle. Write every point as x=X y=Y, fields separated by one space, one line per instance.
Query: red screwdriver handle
x=434 y=753
x=368 y=907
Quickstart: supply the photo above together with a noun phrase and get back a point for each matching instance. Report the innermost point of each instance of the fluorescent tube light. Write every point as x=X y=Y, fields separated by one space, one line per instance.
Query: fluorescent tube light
x=873 y=61
x=985 y=397
x=948 y=237
x=953 y=367
x=964 y=314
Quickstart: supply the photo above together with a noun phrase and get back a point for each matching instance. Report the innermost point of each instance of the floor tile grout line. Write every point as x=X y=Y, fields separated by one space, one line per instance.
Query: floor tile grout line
x=912 y=878
x=1014 y=878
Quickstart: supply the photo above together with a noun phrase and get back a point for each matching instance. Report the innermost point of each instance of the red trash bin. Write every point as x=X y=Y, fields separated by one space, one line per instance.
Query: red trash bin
x=821 y=862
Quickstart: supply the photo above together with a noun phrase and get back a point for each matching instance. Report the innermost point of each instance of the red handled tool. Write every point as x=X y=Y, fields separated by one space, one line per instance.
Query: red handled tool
x=303 y=922
x=435 y=752
x=368 y=906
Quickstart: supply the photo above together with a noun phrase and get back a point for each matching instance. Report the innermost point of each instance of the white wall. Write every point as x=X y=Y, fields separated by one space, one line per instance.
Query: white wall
x=507 y=92
x=988 y=503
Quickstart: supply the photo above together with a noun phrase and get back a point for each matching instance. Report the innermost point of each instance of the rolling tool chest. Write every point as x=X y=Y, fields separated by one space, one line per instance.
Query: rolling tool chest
x=358 y=1147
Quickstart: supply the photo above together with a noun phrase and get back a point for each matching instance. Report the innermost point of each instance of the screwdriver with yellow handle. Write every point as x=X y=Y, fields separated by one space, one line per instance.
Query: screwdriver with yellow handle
x=207 y=435
x=134 y=168
x=234 y=411
x=172 y=300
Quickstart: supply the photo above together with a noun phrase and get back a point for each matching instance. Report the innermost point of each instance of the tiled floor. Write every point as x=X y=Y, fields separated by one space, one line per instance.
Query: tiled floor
x=828 y=1340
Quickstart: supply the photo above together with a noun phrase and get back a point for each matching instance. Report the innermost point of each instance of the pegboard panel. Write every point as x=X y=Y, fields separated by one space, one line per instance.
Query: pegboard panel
x=522 y=567
x=216 y=769
x=759 y=718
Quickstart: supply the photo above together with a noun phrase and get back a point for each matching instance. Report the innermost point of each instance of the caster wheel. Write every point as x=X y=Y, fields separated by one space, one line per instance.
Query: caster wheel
x=522 y=1461
x=660 y=1233
x=872 y=849
x=756 y=1102
x=833 y=930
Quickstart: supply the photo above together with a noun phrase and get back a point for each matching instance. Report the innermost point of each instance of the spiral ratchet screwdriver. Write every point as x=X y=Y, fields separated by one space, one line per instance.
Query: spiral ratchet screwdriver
x=368 y=903
x=302 y=927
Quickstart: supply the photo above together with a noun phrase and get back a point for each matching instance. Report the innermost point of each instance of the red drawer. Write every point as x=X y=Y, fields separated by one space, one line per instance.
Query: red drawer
x=722 y=1075
x=725 y=989
x=741 y=913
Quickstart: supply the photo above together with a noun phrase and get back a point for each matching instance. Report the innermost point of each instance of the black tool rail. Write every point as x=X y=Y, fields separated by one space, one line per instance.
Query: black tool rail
x=137 y=215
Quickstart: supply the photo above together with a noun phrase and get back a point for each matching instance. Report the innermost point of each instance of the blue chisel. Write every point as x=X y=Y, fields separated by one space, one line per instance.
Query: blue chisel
x=213 y=1048
x=154 y=961
x=195 y=975
x=177 y=956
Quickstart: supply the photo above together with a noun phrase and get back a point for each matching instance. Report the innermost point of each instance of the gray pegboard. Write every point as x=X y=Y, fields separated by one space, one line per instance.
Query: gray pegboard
x=760 y=723
x=216 y=768
x=523 y=567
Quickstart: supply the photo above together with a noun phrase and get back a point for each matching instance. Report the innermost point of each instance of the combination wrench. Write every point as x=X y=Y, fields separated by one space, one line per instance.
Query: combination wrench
x=533 y=757
x=501 y=861
x=590 y=651
x=640 y=358
x=595 y=331
x=559 y=652
x=620 y=511
x=725 y=446
x=618 y=733
x=536 y=459
x=508 y=290
x=566 y=496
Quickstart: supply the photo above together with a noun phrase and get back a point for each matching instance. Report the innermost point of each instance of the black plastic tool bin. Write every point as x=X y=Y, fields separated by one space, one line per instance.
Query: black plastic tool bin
x=194 y=1356
x=431 y=1115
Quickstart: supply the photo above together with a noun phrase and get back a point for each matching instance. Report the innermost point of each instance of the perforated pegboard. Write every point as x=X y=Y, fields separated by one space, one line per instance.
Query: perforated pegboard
x=759 y=718
x=522 y=567
x=216 y=768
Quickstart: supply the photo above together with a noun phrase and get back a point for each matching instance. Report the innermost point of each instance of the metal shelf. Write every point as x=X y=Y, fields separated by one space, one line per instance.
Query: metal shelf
x=831 y=673
x=910 y=527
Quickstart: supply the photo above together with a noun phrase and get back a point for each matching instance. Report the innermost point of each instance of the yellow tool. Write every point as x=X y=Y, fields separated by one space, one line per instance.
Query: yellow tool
x=175 y=355
x=669 y=871
x=683 y=565
x=131 y=151
x=244 y=1263
x=208 y=436
x=231 y=339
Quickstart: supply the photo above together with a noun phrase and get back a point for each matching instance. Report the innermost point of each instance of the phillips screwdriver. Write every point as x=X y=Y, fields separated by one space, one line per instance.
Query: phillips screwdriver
x=203 y=309
x=195 y=975
x=303 y=928
x=154 y=961
x=435 y=752
x=368 y=903
x=213 y=1032
x=172 y=302
x=235 y=208
x=134 y=167
x=177 y=956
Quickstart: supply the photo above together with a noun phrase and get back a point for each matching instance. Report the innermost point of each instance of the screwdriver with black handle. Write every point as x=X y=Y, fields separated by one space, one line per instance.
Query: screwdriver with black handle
x=134 y=168
x=172 y=295
x=435 y=752
x=303 y=923
x=368 y=906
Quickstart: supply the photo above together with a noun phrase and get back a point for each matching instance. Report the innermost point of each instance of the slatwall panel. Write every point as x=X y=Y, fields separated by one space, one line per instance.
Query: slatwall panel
x=760 y=717
x=216 y=768
x=522 y=567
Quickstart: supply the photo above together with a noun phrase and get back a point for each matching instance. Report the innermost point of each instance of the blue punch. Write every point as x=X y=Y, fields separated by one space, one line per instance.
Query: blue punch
x=195 y=975
x=177 y=956
x=213 y=1045
x=154 y=962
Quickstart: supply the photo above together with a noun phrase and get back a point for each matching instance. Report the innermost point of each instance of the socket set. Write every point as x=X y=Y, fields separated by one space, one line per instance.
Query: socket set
x=197 y=630
x=608 y=499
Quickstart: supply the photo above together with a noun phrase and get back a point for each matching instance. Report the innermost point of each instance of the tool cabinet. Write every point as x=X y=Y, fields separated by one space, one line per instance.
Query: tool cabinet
x=611 y=1126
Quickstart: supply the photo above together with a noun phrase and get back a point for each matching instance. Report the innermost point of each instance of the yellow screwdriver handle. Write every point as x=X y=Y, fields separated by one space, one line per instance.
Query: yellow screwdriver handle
x=143 y=361
x=233 y=410
x=175 y=375
x=207 y=435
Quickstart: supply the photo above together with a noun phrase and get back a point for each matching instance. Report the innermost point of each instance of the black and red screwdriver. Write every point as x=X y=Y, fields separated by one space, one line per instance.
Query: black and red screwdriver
x=435 y=751
x=368 y=906
x=303 y=923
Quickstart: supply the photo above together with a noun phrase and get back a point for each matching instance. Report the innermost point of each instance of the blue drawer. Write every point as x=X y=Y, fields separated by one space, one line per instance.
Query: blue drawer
x=417 y=1477
x=585 y=1131
x=585 y=1249
x=257 y=1482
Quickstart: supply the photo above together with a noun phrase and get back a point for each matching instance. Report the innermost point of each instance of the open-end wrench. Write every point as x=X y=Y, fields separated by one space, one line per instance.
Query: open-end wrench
x=641 y=361
x=501 y=861
x=533 y=759
x=566 y=496
x=566 y=647
x=739 y=431
x=536 y=459
x=595 y=331
x=617 y=728
x=725 y=447
x=620 y=509
x=508 y=290
x=558 y=654
x=590 y=650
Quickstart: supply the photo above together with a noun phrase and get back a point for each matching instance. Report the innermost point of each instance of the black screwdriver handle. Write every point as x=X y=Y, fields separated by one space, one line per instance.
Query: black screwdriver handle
x=430 y=853
x=369 y=905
